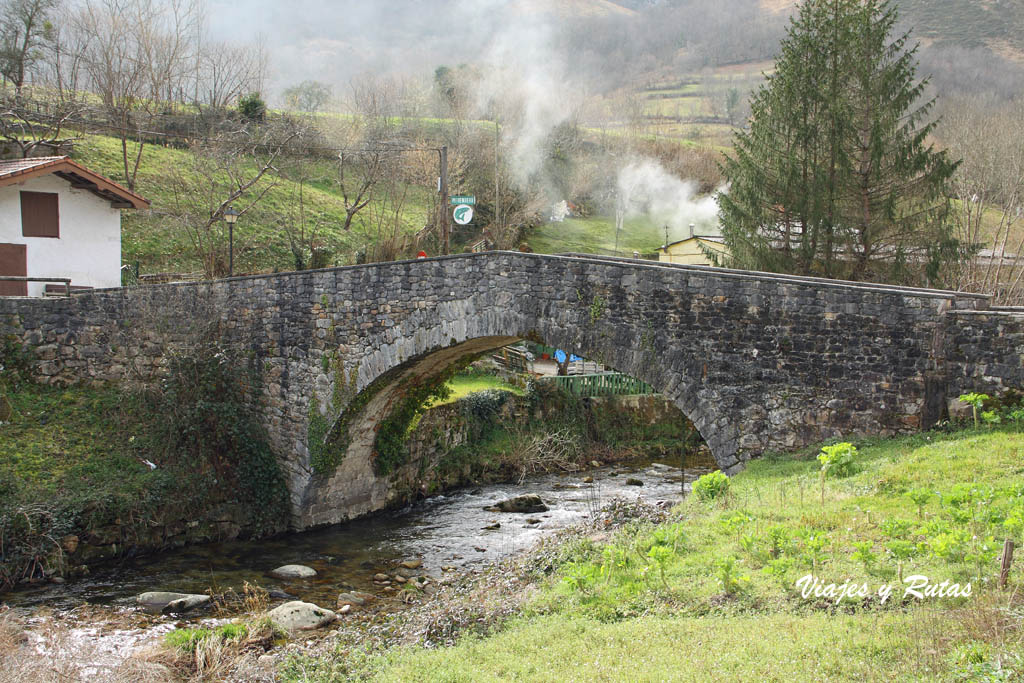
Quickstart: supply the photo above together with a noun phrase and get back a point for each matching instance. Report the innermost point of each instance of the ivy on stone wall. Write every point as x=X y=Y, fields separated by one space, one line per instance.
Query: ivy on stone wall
x=327 y=447
x=390 y=451
x=201 y=418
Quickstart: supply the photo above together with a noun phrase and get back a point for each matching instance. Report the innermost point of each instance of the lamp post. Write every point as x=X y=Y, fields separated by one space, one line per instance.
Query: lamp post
x=230 y=217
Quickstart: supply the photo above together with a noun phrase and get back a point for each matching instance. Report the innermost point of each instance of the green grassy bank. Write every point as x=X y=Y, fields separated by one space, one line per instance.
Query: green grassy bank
x=710 y=593
x=94 y=473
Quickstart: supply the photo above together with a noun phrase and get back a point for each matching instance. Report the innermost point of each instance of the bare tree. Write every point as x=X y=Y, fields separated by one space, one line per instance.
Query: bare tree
x=136 y=52
x=225 y=72
x=386 y=214
x=303 y=227
x=236 y=168
x=31 y=131
x=25 y=28
x=308 y=96
x=989 y=189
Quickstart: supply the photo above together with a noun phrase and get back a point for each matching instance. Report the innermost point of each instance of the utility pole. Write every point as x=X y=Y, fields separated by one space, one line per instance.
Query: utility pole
x=497 y=193
x=442 y=187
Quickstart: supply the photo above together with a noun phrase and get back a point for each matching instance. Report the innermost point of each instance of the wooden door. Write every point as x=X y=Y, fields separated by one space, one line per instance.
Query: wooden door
x=13 y=261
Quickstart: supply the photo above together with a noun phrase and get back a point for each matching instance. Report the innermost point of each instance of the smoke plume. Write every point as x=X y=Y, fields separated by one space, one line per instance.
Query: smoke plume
x=647 y=189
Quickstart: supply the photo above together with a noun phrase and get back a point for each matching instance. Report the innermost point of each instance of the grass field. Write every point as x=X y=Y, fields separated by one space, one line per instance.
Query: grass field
x=711 y=593
x=597 y=235
x=160 y=243
x=464 y=385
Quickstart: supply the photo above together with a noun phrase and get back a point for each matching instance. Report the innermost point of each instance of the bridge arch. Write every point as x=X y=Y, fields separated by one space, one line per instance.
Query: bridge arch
x=757 y=362
x=354 y=427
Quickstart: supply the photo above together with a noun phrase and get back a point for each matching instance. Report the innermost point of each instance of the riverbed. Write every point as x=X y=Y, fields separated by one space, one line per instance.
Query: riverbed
x=449 y=534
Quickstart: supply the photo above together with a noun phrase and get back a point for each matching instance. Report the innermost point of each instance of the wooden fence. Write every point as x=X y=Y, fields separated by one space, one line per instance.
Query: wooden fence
x=604 y=384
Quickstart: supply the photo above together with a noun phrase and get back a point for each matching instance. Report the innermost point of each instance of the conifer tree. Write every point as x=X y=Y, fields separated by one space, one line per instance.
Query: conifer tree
x=835 y=176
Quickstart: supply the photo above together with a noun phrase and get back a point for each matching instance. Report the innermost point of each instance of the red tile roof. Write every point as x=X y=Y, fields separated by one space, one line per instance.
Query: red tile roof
x=14 y=171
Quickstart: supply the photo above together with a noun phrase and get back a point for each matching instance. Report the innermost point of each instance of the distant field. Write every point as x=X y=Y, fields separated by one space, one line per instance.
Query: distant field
x=463 y=385
x=597 y=235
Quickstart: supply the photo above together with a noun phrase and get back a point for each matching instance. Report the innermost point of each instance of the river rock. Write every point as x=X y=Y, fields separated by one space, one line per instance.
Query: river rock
x=413 y=564
x=70 y=544
x=353 y=599
x=301 y=616
x=528 y=503
x=293 y=571
x=588 y=480
x=381 y=578
x=632 y=481
x=171 y=602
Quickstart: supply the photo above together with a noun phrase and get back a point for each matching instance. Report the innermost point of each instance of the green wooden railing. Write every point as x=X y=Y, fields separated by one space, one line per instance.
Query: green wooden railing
x=604 y=384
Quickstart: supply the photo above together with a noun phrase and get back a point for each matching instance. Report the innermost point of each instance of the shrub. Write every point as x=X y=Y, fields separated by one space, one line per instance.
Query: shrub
x=711 y=486
x=975 y=400
x=728 y=578
x=779 y=569
x=252 y=107
x=837 y=460
x=920 y=498
x=863 y=554
x=991 y=417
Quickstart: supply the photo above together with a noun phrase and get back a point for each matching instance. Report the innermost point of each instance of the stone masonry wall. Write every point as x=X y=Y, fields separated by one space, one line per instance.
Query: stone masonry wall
x=758 y=363
x=985 y=353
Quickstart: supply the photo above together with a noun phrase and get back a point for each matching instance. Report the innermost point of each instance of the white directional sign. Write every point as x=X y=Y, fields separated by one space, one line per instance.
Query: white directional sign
x=463 y=214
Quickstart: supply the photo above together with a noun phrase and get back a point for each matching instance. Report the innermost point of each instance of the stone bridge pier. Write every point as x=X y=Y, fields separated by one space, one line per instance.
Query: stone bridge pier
x=758 y=362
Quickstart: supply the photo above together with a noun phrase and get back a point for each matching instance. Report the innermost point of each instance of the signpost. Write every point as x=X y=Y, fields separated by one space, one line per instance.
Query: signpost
x=467 y=199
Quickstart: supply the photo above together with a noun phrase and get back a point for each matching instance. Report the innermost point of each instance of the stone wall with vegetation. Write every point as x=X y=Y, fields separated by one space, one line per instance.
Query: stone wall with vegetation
x=984 y=352
x=89 y=474
x=499 y=436
x=757 y=362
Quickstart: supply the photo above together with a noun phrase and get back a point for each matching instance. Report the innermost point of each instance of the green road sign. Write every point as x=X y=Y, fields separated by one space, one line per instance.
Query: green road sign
x=468 y=200
x=463 y=214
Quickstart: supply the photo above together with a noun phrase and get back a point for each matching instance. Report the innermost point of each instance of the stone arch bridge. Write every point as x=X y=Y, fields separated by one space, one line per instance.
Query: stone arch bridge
x=758 y=362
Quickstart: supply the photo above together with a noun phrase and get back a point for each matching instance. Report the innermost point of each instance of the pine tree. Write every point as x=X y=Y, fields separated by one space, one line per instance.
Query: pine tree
x=834 y=176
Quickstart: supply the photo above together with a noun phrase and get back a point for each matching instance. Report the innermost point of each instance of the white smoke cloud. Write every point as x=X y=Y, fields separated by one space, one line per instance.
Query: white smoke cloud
x=647 y=189
x=526 y=76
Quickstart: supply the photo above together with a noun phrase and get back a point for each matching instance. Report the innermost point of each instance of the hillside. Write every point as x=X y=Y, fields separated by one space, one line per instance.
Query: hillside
x=569 y=9
x=159 y=242
x=963 y=23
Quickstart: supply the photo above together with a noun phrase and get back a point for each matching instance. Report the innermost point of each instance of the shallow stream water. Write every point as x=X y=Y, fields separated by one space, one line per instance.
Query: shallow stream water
x=447 y=532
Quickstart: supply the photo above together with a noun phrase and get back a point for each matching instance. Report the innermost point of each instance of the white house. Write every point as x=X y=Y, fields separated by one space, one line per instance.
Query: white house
x=58 y=219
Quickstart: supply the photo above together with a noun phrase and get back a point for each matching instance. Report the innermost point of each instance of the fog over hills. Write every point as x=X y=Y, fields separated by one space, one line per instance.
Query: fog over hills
x=333 y=42
x=607 y=44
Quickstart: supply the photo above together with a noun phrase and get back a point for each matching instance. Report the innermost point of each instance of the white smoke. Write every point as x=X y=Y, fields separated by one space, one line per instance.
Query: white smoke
x=646 y=189
x=528 y=81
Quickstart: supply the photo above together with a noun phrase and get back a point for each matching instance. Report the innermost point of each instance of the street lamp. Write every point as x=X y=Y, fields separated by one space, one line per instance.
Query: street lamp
x=230 y=217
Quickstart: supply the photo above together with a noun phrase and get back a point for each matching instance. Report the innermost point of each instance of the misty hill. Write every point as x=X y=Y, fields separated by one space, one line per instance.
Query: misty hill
x=569 y=9
x=998 y=26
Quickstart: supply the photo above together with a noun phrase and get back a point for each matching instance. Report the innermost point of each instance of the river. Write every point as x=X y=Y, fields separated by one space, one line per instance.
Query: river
x=448 y=533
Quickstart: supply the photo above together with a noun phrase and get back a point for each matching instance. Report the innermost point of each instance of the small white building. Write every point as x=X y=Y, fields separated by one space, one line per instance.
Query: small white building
x=58 y=219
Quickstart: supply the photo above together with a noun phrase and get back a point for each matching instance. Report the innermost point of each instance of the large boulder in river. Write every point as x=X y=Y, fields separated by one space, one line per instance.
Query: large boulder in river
x=161 y=601
x=528 y=503
x=301 y=616
x=293 y=571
